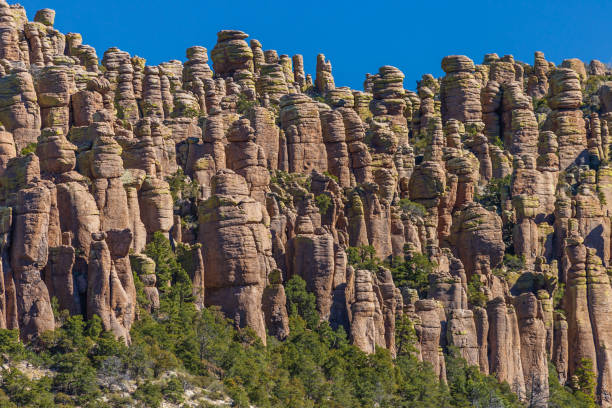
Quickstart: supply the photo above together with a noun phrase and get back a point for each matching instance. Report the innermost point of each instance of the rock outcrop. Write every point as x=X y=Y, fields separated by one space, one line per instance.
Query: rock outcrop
x=237 y=251
x=301 y=127
x=495 y=179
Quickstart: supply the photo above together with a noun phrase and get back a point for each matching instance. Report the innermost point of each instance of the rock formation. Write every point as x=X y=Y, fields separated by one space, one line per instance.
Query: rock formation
x=495 y=178
x=237 y=250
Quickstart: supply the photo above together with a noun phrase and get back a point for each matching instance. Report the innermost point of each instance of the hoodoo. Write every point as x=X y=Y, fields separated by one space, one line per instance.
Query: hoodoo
x=476 y=208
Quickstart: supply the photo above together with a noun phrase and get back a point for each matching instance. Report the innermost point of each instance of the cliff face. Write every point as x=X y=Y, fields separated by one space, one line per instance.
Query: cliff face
x=498 y=159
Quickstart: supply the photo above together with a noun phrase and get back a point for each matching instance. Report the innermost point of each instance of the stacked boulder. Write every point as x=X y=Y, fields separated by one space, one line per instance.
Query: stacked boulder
x=496 y=176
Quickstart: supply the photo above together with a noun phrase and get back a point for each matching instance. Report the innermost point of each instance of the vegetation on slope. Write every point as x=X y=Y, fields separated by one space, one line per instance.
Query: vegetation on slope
x=179 y=349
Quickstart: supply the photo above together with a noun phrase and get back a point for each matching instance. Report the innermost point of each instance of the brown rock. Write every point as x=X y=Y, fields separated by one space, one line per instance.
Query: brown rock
x=389 y=102
x=7 y=149
x=428 y=334
x=266 y=134
x=334 y=137
x=19 y=111
x=145 y=269
x=29 y=253
x=520 y=128
x=580 y=332
x=302 y=127
x=537 y=85
x=298 y=71
x=461 y=333
x=231 y=53
x=324 y=80
x=599 y=295
x=313 y=260
x=102 y=282
x=152 y=103
x=560 y=349
x=566 y=119
x=237 y=251
x=272 y=82
x=156 y=206
x=258 y=55
x=274 y=300
x=505 y=345
x=482 y=333
x=576 y=65
x=366 y=315
x=390 y=306
x=247 y=158
x=9 y=34
x=533 y=348
x=459 y=90
x=476 y=235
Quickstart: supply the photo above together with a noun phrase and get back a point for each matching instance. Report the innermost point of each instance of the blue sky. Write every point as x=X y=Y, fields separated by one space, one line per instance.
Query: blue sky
x=357 y=36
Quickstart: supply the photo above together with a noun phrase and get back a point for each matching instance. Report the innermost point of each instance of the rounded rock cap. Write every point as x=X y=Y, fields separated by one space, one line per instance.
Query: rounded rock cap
x=457 y=63
x=341 y=96
x=226 y=182
x=425 y=305
x=197 y=52
x=228 y=35
x=45 y=16
x=294 y=99
x=389 y=70
x=489 y=58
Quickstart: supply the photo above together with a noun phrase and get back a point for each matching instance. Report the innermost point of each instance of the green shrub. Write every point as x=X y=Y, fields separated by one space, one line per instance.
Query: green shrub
x=10 y=344
x=493 y=192
x=150 y=394
x=413 y=272
x=514 y=263
x=75 y=376
x=182 y=187
x=405 y=337
x=540 y=104
x=362 y=257
x=514 y=266
x=561 y=397
x=141 y=297
x=173 y=390
x=23 y=392
x=323 y=202
x=173 y=282
x=586 y=380
x=243 y=106
x=420 y=144
x=496 y=140
x=284 y=179
x=558 y=296
x=118 y=401
x=30 y=148
x=300 y=302
x=475 y=295
x=191 y=112
x=331 y=176
x=412 y=208
x=470 y=388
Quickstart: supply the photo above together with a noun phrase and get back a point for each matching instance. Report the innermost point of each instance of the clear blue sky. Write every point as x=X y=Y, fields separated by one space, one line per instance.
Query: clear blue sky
x=357 y=36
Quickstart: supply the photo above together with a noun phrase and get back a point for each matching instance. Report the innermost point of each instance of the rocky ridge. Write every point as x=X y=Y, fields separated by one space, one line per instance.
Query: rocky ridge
x=497 y=173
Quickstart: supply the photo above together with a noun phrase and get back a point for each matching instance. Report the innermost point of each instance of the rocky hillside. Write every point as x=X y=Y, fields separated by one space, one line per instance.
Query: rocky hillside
x=478 y=207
